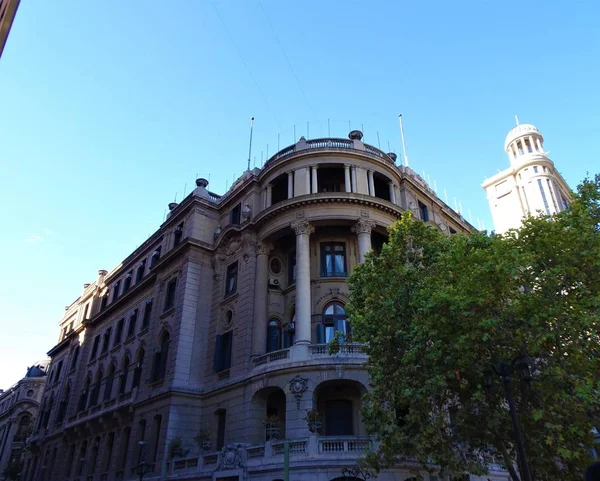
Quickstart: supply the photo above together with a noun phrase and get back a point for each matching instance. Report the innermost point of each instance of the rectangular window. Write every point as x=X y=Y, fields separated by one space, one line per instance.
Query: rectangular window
x=95 y=347
x=452 y=230
x=132 y=321
x=104 y=301
x=178 y=235
x=170 y=295
x=140 y=271
x=58 y=369
x=535 y=169
x=116 y=288
x=235 y=214
x=222 y=358
x=155 y=257
x=147 y=314
x=86 y=311
x=231 y=279
x=424 y=212
x=118 y=332
x=544 y=196
x=292 y=268
x=552 y=195
x=127 y=282
x=333 y=259
x=106 y=340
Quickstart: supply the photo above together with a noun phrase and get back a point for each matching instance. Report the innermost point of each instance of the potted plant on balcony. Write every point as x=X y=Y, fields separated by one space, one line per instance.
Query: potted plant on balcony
x=272 y=427
x=176 y=447
x=313 y=419
x=202 y=439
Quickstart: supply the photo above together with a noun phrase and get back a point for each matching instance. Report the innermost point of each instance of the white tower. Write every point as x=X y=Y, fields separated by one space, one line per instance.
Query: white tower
x=531 y=184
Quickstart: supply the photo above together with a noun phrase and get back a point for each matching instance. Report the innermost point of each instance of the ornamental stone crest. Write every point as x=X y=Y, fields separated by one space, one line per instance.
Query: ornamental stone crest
x=302 y=227
x=297 y=387
x=246 y=212
x=231 y=457
x=263 y=249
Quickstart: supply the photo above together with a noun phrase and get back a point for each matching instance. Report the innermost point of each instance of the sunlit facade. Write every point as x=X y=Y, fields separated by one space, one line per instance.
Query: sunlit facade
x=8 y=10
x=205 y=349
x=531 y=185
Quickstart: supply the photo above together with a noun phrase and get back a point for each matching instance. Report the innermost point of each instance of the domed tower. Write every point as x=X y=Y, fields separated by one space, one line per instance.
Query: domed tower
x=531 y=185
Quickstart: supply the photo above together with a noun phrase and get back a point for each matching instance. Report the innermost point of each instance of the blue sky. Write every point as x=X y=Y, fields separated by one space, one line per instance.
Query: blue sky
x=107 y=110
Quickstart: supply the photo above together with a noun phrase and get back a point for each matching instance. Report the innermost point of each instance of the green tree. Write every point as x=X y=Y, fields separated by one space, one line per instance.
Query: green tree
x=436 y=311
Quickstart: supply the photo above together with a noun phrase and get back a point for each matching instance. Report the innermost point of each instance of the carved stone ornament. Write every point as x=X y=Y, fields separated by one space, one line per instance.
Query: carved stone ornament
x=246 y=212
x=363 y=226
x=263 y=249
x=302 y=227
x=364 y=213
x=443 y=227
x=231 y=457
x=297 y=387
x=413 y=208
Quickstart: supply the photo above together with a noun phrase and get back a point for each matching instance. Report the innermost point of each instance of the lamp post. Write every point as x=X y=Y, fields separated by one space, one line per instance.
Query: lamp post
x=142 y=466
x=505 y=369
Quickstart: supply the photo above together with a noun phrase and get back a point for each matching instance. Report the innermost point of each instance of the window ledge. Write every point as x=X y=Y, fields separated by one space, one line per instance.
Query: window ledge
x=116 y=348
x=91 y=363
x=168 y=312
x=143 y=331
x=102 y=356
x=157 y=384
x=223 y=374
x=230 y=297
x=129 y=340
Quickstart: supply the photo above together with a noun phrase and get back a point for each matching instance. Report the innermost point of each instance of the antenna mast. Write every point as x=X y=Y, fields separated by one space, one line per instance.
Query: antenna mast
x=403 y=144
x=250 y=148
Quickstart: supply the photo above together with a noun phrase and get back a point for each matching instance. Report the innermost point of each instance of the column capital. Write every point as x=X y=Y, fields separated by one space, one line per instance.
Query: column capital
x=302 y=227
x=363 y=226
x=314 y=166
x=263 y=249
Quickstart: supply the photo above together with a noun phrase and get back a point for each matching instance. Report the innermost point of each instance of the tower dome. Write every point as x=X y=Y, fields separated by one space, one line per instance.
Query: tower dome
x=523 y=140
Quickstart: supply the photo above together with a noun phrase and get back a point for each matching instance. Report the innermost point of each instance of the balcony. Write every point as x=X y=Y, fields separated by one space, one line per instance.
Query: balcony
x=328 y=450
x=350 y=353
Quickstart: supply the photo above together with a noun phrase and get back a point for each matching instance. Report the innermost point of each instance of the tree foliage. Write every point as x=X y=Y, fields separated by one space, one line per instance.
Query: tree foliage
x=435 y=312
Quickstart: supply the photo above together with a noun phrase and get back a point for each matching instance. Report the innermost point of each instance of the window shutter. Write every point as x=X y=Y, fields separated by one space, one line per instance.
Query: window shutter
x=339 y=325
x=320 y=333
x=218 y=358
x=227 y=350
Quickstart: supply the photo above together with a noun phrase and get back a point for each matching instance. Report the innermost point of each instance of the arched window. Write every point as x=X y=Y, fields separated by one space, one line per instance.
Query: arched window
x=109 y=382
x=123 y=376
x=334 y=320
x=137 y=372
x=62 y=408
x=96 y=389
x=273 y=336
x=85 y=393
x=160 y=358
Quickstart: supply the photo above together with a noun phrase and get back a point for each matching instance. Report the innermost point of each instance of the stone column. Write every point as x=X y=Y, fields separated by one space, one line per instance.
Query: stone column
x=371 y=183
x=269 y=188
x=354 y=189
x=261 y=299
x=315 y=184
x=363 y=228
x=539 y=144
x=531 y=144
x=290 y=175
x=303 y=231
x=307 y=180
x=347 y=185
x=392 y=193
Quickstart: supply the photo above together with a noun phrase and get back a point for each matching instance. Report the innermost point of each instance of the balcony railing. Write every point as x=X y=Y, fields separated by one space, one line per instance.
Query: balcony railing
x=350 y=348
x=272 y=356
x=328 y=144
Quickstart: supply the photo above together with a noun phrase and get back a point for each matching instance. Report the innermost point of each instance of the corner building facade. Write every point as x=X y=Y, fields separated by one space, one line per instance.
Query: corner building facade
x=171 y=363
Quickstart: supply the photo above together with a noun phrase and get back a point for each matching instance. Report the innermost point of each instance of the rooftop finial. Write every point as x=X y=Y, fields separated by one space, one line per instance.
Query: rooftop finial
x=516 y=119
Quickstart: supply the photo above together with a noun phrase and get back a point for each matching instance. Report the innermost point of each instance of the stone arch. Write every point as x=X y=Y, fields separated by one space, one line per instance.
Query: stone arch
x=268 y=401
x=339 y=402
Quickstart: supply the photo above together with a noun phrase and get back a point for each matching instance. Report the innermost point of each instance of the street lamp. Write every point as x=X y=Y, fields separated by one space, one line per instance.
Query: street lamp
x=505 y=369
x=142 y=467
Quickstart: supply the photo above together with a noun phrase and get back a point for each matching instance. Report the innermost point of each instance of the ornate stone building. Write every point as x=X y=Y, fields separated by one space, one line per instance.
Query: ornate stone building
x=201 y=352
x=530 y=185
x=18 y=408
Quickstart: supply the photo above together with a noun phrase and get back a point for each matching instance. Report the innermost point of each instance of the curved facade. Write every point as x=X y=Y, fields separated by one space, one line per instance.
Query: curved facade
x=204 y=349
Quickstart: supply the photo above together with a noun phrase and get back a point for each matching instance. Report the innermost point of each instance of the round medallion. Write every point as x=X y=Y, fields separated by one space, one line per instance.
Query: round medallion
x=275 y=266
x=30 y=393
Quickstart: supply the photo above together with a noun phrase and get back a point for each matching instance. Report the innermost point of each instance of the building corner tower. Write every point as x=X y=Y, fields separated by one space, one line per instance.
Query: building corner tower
x=530 y=186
